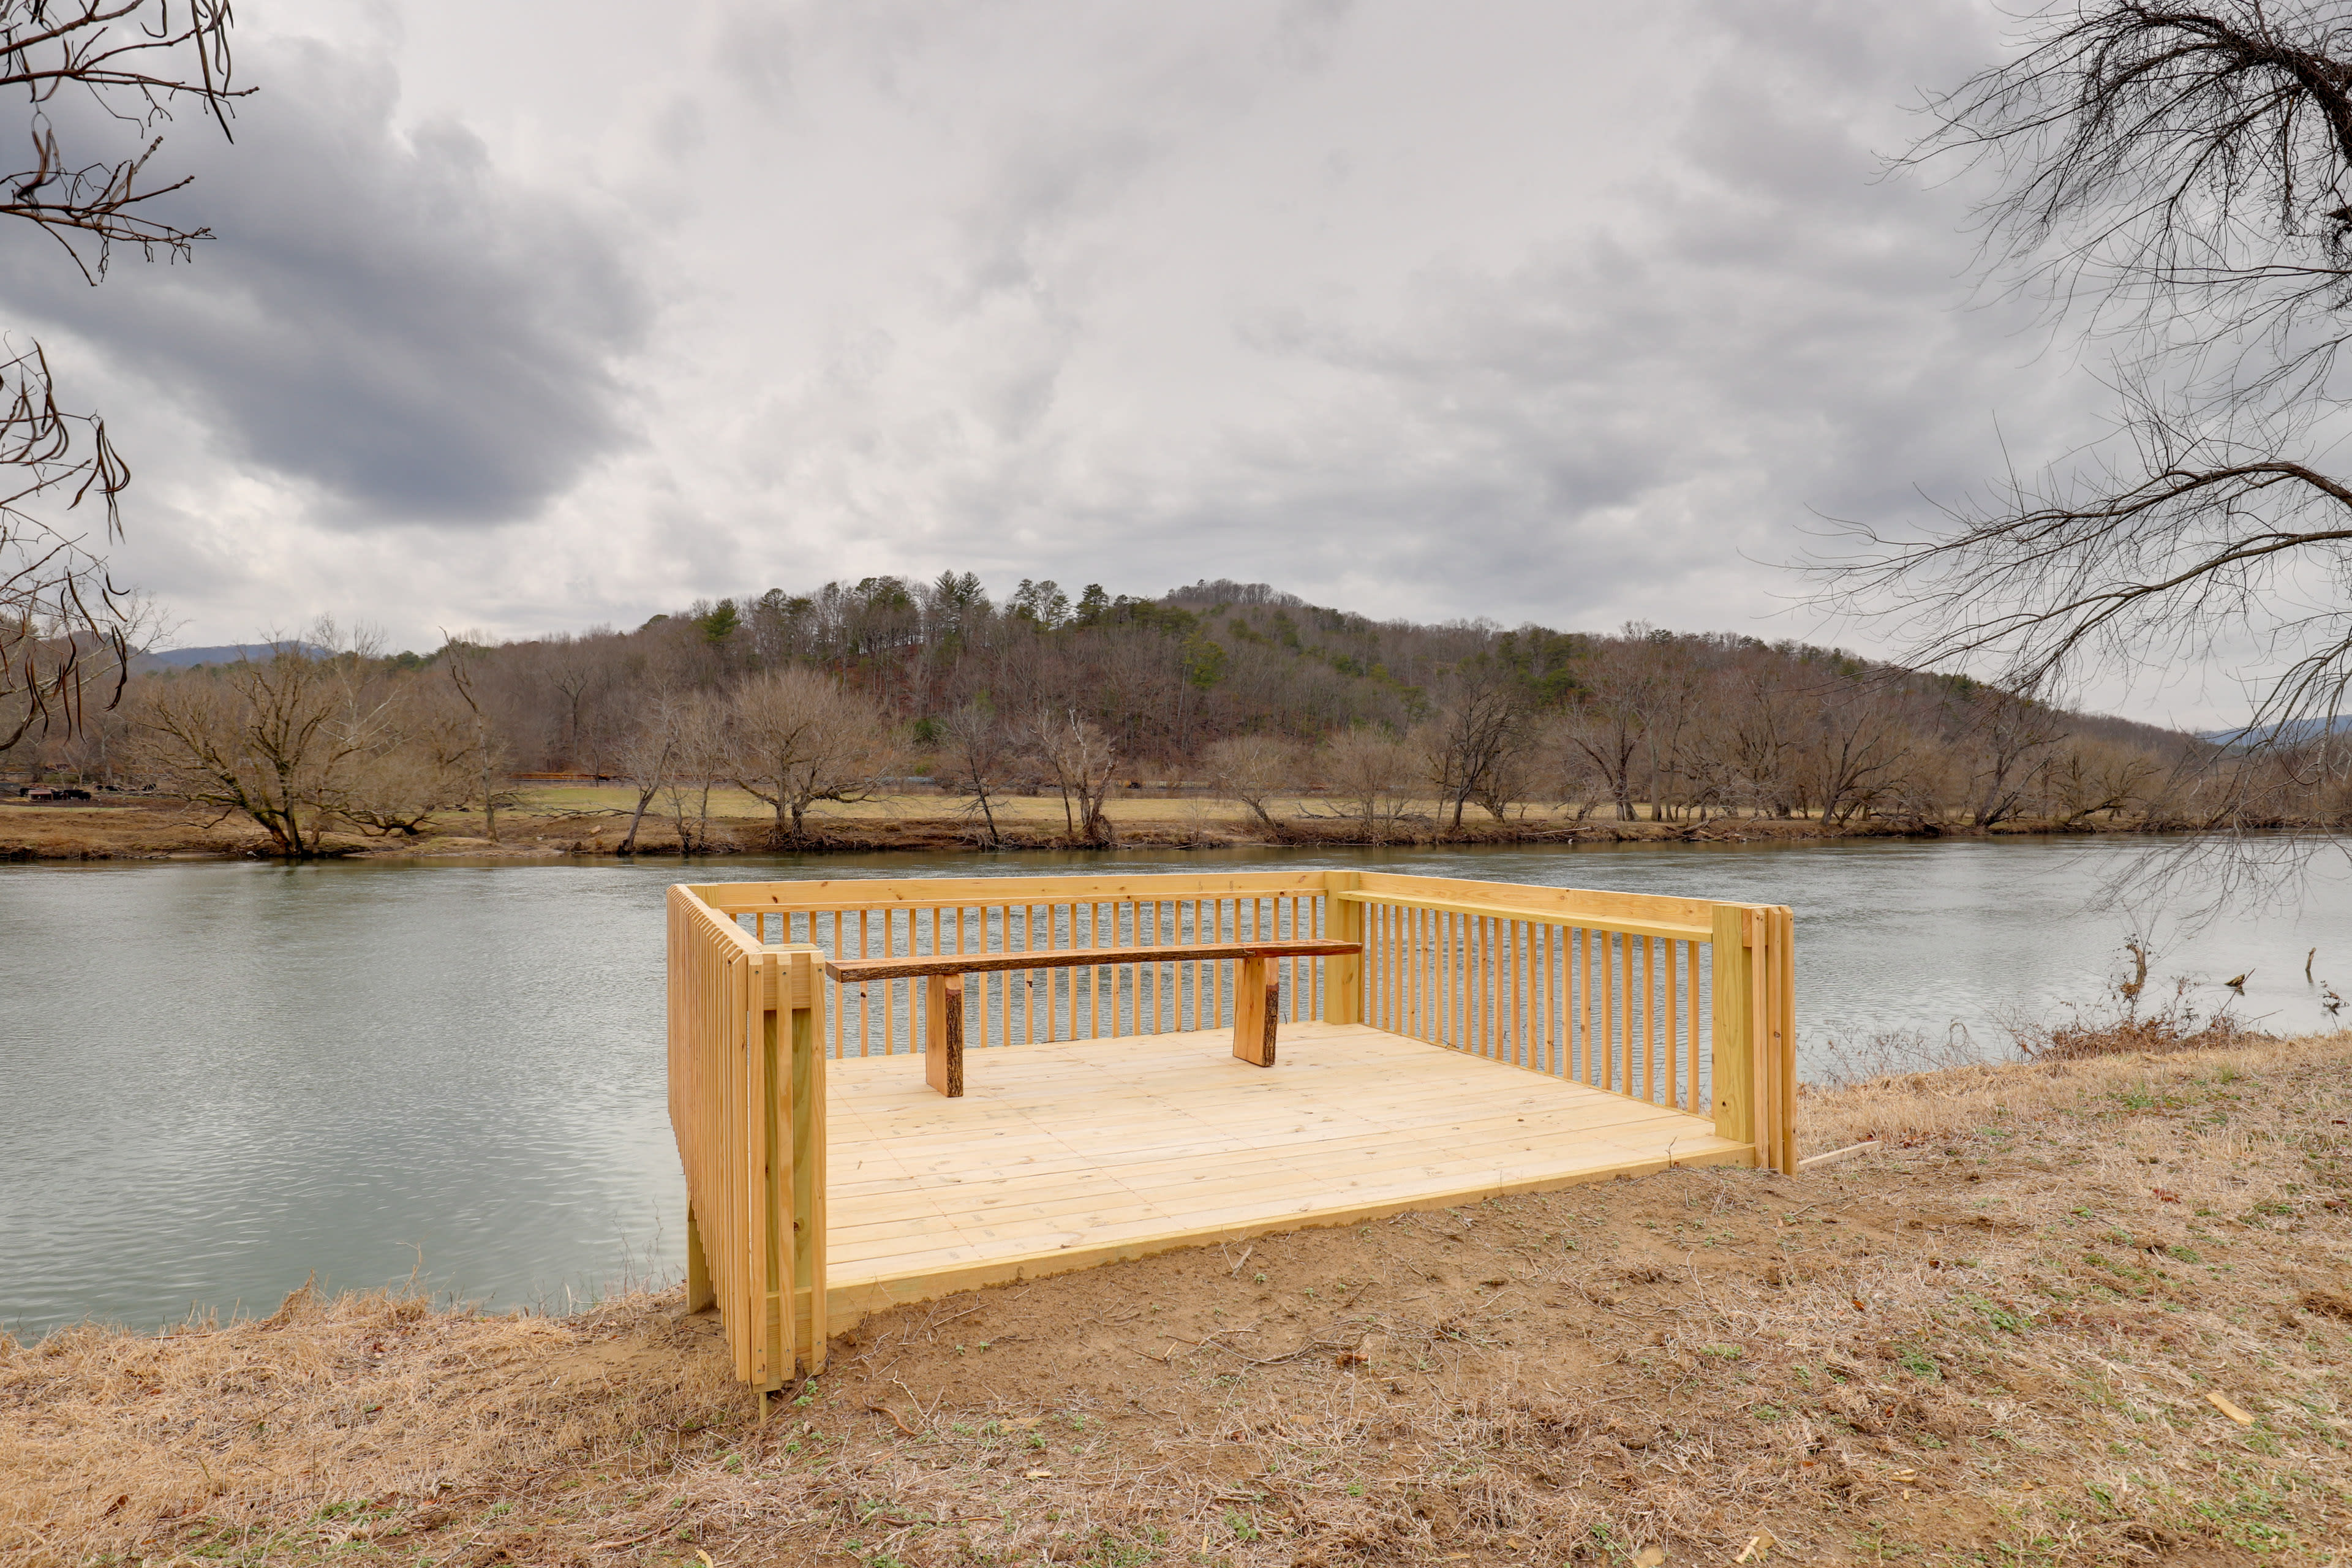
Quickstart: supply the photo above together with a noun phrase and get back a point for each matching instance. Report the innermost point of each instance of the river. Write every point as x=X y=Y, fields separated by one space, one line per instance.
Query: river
x=222 y=1078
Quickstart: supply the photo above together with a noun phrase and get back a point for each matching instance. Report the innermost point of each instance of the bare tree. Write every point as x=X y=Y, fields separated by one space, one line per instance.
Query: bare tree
x=1080 y=758
x=704 y=756
x=1253 y=770
x=420 y=759
x=799 y=737
x=2092 y=777
x=462 y=658
x=1611 y=725
x=2008 y=742
x=85 y=68
x=1475 y=735
x=1373 y=771
x=648 y=760
x=275 y=739
x=578 y=668
x=978 y=749
x=2179 y=179
x=1849 y=746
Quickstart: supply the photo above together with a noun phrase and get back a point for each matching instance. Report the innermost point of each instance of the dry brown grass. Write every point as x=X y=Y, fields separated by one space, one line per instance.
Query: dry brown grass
x=1994 y=1342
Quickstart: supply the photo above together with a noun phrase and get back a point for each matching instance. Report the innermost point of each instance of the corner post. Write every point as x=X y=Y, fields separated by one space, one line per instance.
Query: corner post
x=803 y=994
x=1784 y=1036
x=1733 y=1055
x=699 y=1293
x=767 y=1142
x=1343 y=976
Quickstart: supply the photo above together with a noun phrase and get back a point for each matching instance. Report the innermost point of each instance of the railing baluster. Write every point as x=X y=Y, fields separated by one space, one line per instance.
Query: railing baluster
x=1504 y=936
x=1522 y=988
x=1556 y=940
x=1494 y=1025
x=1468 y=976
x=1673 y=1029
x=1611 y=1005
x=1699 y=1092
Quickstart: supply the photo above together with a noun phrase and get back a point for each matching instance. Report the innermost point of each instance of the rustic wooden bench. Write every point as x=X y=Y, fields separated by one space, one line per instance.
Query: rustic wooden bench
x=1257 y=993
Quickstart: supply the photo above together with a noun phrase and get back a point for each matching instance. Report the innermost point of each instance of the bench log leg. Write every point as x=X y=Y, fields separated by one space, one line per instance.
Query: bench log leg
x=1257 y=1003
x=943 y=1034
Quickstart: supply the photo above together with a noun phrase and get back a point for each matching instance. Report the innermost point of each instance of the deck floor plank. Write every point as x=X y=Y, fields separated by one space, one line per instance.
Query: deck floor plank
x=1062 y=1155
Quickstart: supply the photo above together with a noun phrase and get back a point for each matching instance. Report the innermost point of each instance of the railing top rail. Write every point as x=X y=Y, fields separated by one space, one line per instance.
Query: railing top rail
x=720 y=922
x=942 y=892
x=1592 y=903
x=1636 y=914
x=1674 y=930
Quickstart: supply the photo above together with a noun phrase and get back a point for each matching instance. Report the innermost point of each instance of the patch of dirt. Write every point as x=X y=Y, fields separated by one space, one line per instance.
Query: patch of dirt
x=138 y=827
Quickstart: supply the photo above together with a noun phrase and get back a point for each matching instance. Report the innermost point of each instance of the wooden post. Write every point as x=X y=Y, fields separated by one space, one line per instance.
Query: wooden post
x=1343 y=977
x=769 y=1114
x=943 y=1034
x=808 y=1155
x=1257 y=1001
x=1734 y=1047
x=1784 y=1025
x=700 y=1295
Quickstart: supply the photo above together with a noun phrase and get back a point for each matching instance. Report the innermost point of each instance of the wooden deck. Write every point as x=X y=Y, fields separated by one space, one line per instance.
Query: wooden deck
x=1068 y=1155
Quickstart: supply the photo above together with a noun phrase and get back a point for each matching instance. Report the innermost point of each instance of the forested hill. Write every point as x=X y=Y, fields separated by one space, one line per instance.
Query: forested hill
x=1667 y=719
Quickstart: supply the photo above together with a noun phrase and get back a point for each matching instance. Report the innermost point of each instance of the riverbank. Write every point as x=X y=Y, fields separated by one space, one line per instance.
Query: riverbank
x=551 y=826
x=2087 y=1312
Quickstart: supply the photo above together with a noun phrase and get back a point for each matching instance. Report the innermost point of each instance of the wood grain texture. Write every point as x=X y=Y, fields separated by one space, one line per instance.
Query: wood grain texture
x=1071 y=1153
x=1060 y=1156
x=857 y=971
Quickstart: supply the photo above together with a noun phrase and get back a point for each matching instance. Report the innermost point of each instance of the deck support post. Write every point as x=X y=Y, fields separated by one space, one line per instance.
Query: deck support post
x=1734 y=1038
x=803 y=1029
x=943 y=1034
x=769 y=1101
x=1257 y=1003
x=1784 y=1032
x=699 y=1293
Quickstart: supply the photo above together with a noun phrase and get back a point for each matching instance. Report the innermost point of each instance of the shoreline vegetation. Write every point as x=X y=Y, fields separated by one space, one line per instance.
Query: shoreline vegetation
x=559 y=823
x=2089 y=1308
x=890 y=713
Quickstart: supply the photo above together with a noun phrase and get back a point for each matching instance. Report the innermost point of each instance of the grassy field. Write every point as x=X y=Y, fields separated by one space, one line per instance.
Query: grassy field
x=2092 y=1312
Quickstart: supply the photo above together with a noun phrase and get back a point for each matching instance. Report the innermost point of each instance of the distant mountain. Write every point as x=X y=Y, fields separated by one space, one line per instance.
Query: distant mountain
x=225 y=653
x=2293 y=732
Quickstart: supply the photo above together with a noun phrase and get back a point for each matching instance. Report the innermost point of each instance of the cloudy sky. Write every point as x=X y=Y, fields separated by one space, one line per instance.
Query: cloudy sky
x=1570 y=312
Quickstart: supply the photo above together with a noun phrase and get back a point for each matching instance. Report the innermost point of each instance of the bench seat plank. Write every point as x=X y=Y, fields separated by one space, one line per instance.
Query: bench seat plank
x=860 y=969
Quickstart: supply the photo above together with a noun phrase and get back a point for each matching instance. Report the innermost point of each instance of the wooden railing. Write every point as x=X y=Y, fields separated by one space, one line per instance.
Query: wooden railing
x=862 y=920
x=1628 y=992
x=746 y=1103
x=1679 y=1003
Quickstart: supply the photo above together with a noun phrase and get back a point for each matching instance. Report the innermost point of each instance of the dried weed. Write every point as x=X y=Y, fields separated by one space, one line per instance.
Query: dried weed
x=1992 y=1340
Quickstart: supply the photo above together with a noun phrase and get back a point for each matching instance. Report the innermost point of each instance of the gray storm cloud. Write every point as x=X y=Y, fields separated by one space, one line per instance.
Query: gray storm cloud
x=384 y=316
x=1524 y=311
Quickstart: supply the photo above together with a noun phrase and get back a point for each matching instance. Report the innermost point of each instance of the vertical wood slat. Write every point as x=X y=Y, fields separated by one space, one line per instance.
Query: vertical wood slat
x=746 y=1092
x=1580 y=1012
x=1673 y=1025
x=1785 y=1020
x=1696 y=1103
x=1650 y=1020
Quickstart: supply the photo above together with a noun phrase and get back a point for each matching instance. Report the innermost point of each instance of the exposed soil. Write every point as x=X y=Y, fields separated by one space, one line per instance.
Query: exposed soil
x=146 y=828
x=2099 y=1312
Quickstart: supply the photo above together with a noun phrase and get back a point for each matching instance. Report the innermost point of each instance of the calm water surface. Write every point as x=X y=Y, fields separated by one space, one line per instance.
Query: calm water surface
x=218 y=1079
